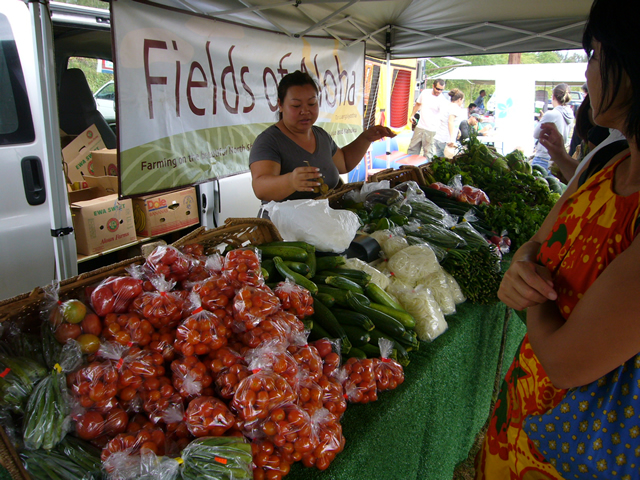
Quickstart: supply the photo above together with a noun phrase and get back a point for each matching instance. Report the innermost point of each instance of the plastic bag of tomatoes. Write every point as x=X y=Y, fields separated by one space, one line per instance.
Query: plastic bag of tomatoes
x=308 y=359
x=273 y=356
x=269 y=329
x=360 y=382
x=162 y=308
x=208 y=416
x=329 y=351
x=115 y=295
x=169 y=262
x=388 y=373
x=215 y=292
x=242 y=267
x=201 y=332
x=257 y=395
x=127 y=329
x=93 y=424
x=289 y=428
x=328 y=438
x=121 y=456
x=190 y=377
x=294 y=298
x=333 y=396
x=251 y=305
x=268 y=461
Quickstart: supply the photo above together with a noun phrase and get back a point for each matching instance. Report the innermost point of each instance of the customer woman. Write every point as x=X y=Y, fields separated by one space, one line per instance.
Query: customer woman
x=288 y=158
x=447 y=132
x=569 y=403
x=562 y=116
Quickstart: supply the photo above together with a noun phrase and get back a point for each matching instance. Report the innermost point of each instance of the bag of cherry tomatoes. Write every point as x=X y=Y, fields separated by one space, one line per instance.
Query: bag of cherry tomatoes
x=308 y=359
x=127 y=329
x=93 y=424
x=295 y=299
x=163 y=308
x=257 y=395
x=360 y=382
x=268 y=461
x=389 y=373
x=228 y=369
x=271 y=328
x=273 y=356
x=251 y=305
x=333 y=396
x=169 y=262
x=121 y=456
x=208 y=417
x=190 y=377
x=242 y=268
x=115 y=295
x=329 y=441
x=201 y=332
x=215 y=292
x=329 y=351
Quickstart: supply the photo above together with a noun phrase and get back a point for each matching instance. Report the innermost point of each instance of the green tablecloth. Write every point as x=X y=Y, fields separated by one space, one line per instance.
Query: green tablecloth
x=426 y=427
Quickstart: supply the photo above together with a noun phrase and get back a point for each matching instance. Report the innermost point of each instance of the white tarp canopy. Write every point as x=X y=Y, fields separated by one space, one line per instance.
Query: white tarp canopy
x=413 y=28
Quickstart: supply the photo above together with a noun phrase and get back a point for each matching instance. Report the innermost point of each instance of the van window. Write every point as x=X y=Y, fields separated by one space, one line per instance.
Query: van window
x=95 y=70
x=16 y=123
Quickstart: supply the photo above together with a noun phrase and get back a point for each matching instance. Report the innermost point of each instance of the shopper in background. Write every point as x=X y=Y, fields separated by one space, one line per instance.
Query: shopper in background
x=569 y=404
x=447 y=133
x=480 y=101
x=431 y=103
x=468 y=125
x=288 y=158
x=561 y=116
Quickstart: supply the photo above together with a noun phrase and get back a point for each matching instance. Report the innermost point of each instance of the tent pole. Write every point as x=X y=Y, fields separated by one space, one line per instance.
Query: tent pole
x=387 y=117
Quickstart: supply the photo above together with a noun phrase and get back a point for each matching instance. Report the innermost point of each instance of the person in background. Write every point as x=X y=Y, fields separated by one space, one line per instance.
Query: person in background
x=467 y=126
x=288 y=158
x=431 y=103
x=472 y=108
x=447 y=132
x=561 y=116
x=569 y=404
x=480 y=101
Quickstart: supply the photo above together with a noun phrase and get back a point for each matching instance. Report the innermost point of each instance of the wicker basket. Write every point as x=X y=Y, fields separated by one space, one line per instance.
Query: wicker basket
x=336 y=197
x=400 y=175
x=25 y=309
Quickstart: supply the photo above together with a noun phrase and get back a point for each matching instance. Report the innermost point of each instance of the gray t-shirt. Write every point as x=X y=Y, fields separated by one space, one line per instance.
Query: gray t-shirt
x=274 y=145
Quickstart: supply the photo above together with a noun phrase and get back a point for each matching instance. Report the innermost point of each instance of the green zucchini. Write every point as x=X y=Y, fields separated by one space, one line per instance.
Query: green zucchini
x=371 y=350
x=340 y=295
x=358 y=276
x=311 y=254
x=344 y=283
x=286 y=272
x=349 y=317
x=326 y=298
x=298 y=267
x=357 y=353
x=378 y=295
x=328 y=262
x=404 y=317
x=268 y=265
x=357 y=336
x=317 y=332
x=382 y=321
x=327 y=320
x=295 y=254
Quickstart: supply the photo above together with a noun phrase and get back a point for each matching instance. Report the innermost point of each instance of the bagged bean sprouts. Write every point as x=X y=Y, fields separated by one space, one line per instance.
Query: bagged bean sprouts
x=390 y=242
x=439 y=285
x=413 y=264
x=456 y=291
x=377 y=276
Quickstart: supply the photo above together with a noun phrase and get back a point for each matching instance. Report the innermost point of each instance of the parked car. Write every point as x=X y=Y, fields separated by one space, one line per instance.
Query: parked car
x=106 y=101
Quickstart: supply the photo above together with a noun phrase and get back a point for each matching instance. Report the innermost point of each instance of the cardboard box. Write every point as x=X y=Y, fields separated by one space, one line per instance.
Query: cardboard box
x=102 y=223
x=105 y=161
x=104 y=185
x=159 y=214
x=77 y=155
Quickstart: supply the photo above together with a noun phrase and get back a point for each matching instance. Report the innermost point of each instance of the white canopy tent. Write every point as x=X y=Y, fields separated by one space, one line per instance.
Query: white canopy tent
x=541 y=73
x=413 y=28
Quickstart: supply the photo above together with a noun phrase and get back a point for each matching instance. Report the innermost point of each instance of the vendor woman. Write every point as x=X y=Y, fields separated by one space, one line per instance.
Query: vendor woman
x=288 y=159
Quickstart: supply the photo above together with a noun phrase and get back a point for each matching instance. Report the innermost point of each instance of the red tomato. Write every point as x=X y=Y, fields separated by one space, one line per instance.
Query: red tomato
x=91 y=324
x=90 y=425
x=66 y=331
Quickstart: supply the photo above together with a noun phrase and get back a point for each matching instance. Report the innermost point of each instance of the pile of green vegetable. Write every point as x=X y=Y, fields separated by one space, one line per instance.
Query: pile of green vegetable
x=521 y=195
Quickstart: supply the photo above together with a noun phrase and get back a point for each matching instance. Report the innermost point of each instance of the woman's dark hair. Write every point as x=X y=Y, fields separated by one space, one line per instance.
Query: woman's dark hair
x=562 y=93
x=295 y=79
x=583 y=119
x=456 y=94
x=610 y=23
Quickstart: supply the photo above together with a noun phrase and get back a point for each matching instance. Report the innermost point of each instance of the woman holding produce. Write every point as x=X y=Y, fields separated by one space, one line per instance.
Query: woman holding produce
x=561 y=116
x=291 y=159
x=568 y=407
x=447 y=133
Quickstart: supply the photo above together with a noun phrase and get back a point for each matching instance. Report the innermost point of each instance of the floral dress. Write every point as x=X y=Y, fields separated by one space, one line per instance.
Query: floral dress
x=593 y=227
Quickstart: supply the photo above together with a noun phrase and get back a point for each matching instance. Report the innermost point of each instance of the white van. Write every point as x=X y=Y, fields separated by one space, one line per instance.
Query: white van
x=37 y=242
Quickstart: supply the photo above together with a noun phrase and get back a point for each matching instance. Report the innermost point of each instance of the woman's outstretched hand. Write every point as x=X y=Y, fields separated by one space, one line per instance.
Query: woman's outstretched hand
x=377 y=132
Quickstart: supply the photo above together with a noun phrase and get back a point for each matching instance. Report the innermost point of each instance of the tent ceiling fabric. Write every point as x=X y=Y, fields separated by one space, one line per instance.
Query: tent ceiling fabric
x=418 y=28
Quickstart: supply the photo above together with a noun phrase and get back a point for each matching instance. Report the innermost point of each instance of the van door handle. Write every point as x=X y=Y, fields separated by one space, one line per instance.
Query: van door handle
x=33 y=180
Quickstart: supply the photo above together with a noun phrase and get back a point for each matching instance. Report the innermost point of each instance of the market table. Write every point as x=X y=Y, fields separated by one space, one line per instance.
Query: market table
x=426 y=427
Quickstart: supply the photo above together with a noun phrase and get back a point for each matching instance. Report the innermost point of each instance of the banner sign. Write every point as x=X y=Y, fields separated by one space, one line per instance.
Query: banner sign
x=193 y=93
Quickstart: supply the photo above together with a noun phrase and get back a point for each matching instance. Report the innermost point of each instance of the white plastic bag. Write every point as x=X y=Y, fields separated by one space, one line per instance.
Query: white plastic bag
x=314 y=222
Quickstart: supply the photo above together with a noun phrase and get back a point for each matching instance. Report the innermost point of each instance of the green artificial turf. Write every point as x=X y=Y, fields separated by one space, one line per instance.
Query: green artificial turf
x=426 y=427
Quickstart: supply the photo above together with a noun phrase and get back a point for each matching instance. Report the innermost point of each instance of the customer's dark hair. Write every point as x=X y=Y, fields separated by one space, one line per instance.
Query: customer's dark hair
x=611 y=24
x=295 y=79
x=583 y=119
x=562 y=93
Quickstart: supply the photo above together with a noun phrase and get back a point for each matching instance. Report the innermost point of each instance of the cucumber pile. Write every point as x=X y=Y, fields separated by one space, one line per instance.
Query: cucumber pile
x=347 y=304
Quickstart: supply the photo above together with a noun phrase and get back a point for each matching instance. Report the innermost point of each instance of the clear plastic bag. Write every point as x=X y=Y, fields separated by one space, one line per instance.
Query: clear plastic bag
x=190 y=377
x=213 y=458
x=242 y=267
x=456 y=291
x=252 y=305
x=390 y=242
x=419 y=302
x=201 y=332
x=163 y=308
x=294 y=299
x=207 y=416
x=314 y=222
x=115 y=294
x=360 y=382
x=358 y=196
x=169 y=262
x=327 y=433
x=438 y=284
x=389 y=373
x=413 y=264
x=377 y=276
x=273 y=356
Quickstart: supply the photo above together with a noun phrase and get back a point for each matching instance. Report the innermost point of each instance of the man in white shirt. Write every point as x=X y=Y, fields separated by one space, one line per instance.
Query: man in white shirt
x=431 y=104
